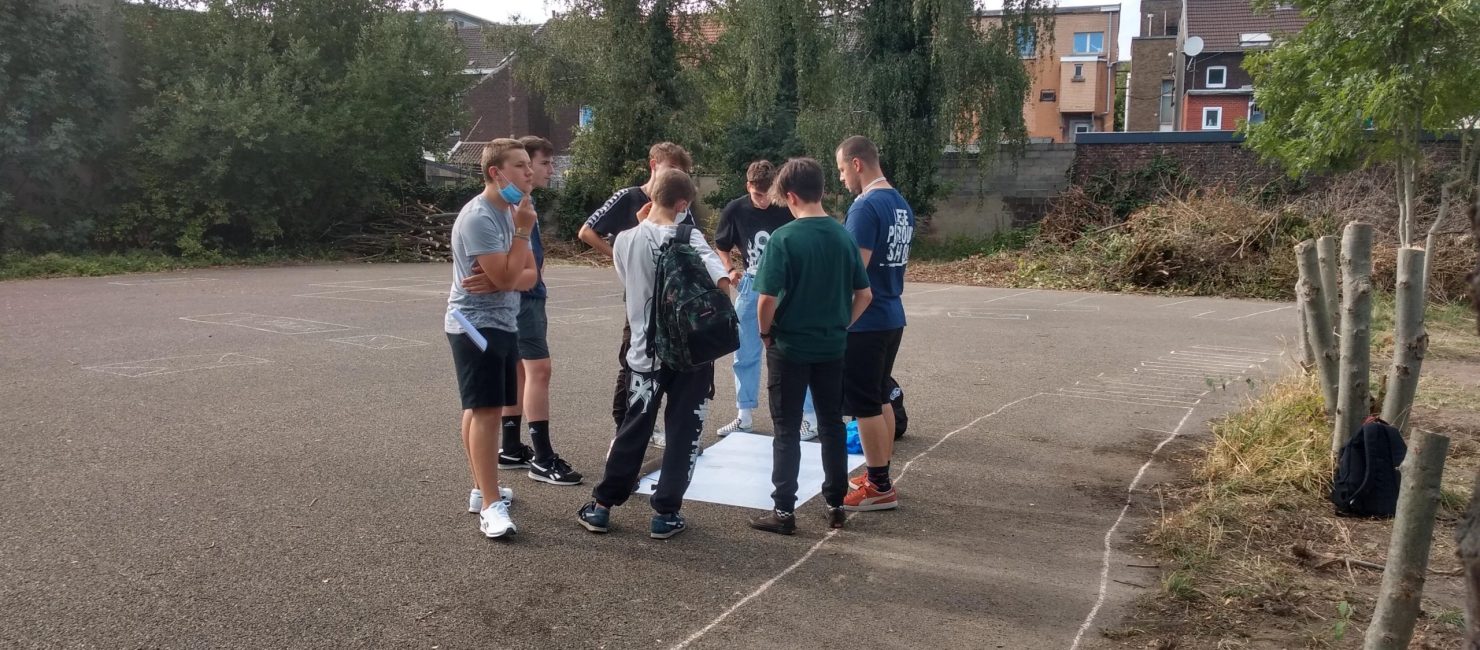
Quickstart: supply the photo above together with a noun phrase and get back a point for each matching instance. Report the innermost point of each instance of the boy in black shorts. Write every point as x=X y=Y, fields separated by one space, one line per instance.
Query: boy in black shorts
x=883 y=225
x=543 y=463
x=492 y=233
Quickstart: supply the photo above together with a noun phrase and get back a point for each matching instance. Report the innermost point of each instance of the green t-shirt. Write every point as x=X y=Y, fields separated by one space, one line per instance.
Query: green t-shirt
x=812 y=267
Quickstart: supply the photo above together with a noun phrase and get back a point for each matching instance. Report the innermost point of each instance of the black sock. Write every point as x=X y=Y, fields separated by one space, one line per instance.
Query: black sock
x=539 y=435
x=879 y=476
x=510 y=439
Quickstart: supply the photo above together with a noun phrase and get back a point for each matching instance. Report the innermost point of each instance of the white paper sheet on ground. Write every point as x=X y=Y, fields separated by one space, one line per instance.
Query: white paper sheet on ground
x=736 y=471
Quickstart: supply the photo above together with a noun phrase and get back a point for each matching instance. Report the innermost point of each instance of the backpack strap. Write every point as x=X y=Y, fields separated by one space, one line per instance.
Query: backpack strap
x=1369 y=450
x=684 y=233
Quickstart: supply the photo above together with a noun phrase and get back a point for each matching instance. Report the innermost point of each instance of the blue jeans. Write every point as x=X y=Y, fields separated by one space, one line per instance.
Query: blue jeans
x=748 y=357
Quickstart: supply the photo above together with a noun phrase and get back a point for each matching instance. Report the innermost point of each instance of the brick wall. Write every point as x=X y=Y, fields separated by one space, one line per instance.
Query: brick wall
x=492 y=115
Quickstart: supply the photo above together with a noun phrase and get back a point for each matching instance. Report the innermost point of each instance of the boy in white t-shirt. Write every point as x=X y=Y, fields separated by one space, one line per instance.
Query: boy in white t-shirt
x=688 y=392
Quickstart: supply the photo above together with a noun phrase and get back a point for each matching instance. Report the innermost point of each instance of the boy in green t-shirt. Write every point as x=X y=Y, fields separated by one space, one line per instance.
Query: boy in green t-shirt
x=812 y=286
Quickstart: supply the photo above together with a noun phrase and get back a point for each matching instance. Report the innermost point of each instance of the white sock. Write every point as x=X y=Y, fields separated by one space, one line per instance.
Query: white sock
x=745 y=417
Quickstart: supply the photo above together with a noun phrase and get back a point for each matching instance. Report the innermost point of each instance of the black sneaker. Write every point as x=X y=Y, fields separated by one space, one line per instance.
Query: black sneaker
x=516 y=458
x=776 y=521
x=836 y=516
x=556 y=472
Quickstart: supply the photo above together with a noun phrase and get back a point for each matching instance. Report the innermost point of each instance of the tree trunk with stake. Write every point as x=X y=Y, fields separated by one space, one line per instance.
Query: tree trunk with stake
x=1356 y=333
x=1328 y=254
x=1410 y=339
x=1408 y=553
x=1307 y=354
x=1318 y=331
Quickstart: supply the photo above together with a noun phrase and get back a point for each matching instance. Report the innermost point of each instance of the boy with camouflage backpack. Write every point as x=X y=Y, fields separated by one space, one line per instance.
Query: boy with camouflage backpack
x=676 y=306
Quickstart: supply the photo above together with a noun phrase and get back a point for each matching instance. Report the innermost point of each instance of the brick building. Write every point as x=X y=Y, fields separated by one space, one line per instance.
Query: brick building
x=1073 y=73
x=1151 y=94
x=1217 y=92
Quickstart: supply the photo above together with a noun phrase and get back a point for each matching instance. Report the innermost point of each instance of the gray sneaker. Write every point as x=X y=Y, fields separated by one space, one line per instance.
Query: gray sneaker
x=809 y=432
x=738 y=425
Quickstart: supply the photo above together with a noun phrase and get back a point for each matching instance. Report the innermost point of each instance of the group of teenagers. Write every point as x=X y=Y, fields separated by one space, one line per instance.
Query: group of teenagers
x=818 y=298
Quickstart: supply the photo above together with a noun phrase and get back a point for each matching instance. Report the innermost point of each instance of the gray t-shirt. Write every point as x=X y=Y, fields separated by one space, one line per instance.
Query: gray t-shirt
x=480 y=229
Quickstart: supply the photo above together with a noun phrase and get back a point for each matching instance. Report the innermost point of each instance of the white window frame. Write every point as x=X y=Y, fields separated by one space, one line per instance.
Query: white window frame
x=1087 y=43
x=1087 y=127
x=1208 y=77
x=1218 y=124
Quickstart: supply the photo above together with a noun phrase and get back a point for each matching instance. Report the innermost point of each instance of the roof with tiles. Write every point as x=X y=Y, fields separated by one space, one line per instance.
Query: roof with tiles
x=1222 y=24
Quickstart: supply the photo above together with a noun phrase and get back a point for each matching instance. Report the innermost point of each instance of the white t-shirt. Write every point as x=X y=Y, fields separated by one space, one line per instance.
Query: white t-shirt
x=636 y=255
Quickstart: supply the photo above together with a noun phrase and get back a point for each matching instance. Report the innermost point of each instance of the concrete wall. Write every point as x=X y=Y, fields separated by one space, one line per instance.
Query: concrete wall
x=1009 y=193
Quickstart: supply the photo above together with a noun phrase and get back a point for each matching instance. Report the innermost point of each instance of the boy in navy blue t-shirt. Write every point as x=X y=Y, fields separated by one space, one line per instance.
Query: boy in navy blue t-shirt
x=883 y=225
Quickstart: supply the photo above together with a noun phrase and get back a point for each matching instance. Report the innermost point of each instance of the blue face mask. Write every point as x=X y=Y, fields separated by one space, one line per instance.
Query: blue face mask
x=511 y=192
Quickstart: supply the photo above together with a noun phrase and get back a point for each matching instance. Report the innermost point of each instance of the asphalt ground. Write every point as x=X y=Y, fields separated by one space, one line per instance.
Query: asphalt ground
x=183 y=467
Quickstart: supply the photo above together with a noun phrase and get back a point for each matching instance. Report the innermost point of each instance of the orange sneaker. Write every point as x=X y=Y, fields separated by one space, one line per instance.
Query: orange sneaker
x=864 y=497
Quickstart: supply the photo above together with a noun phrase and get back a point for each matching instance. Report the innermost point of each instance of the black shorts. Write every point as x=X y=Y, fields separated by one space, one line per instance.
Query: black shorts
x=867 y=365
x=487 y=378
x=533 y=327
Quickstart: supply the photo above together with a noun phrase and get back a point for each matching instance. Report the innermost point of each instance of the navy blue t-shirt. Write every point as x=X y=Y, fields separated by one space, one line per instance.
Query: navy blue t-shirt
x=538 y=247
x=882 y=222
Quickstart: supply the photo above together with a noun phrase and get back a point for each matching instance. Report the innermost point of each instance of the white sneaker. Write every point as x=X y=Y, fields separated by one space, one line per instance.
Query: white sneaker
x=660 y=439
x=809 y=431
x=494 y=521
x=475 y=498
x=738 y=425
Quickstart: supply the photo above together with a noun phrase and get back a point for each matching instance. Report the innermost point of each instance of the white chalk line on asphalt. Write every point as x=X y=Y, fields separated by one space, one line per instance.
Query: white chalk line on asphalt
x=766 y=586
x=1110 y=534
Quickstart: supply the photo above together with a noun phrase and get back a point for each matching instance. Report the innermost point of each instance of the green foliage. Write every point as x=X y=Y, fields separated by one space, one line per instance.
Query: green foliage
x=1125 y=193
x=963 y=246
x=15 y=266
x=621 y=59
x=1364 y=80
x=783 y=78
x=280 y=120
x=59 y=102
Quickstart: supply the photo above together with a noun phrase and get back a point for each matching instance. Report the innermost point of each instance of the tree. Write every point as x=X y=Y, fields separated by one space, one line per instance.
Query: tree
x=1364 y=82
x=57 y=91
x=280 y=121
x=620 y=59
x=924 y=74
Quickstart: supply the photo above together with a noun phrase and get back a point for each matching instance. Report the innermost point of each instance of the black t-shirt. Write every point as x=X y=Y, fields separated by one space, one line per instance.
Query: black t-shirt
x=744 y=226
x=620 y=213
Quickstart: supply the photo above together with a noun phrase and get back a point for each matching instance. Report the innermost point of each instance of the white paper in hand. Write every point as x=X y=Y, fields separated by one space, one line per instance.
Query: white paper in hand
x=470 y=331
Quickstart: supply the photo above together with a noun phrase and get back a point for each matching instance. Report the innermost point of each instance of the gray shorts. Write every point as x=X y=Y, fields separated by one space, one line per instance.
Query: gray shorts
x=532 y=328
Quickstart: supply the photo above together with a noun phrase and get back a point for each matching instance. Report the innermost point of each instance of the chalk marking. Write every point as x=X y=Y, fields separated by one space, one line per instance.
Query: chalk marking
x=1109 y=534
x=380 y=342
x=151 y=282
x=1174 y=304
x=172 y=365
x=273 y=324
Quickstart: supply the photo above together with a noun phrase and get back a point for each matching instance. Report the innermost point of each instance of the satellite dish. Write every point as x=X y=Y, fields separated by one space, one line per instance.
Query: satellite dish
x=1193 y=46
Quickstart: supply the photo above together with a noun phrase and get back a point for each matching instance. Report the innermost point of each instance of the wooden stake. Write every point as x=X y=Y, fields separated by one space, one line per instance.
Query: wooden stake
x=1330 y=258
x=1467 y=535
x=1410 y=339
x=1352 y=398
x=1319 y=337
x=1408 y=553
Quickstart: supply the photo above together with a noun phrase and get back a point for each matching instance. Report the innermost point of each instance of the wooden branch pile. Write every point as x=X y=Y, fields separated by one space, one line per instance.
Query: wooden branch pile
x=414 y=233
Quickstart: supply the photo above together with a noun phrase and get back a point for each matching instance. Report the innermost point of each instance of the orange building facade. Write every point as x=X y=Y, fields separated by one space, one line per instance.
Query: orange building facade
x=1073 y=73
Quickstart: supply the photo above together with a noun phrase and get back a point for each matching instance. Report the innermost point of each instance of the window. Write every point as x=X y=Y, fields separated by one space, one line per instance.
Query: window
x=1165 y=109
x=1027 y=40
x=1078 y=72
x=1048 y=95
x=586 y=116
x=1255 y=39
x=1089 y=42
x=1256 y=114
x=1082 y=127
x=1212 y=118
x=1217 y=77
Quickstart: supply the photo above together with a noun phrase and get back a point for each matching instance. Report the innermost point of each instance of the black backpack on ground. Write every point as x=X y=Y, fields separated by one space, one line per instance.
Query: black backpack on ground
x=896 y=400
x=692 y=322
x=1366 y=483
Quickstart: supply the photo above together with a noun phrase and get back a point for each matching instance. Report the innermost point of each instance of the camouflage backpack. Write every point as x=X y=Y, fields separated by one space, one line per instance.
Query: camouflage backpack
x=692 y=322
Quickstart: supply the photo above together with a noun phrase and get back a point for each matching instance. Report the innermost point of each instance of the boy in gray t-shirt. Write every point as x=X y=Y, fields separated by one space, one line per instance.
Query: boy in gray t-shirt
x=491 y=236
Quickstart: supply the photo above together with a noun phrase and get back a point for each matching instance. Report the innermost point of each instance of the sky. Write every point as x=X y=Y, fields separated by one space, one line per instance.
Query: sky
x=538 y=10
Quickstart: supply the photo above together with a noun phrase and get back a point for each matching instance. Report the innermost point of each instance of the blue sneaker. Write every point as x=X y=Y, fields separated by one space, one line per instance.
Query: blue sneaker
x=594 y=517
x=665 y=526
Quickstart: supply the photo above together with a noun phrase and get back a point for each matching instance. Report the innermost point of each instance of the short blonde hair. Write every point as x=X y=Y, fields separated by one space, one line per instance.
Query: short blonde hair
x=496 y=153
x=671 y=186
x=673 y=155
